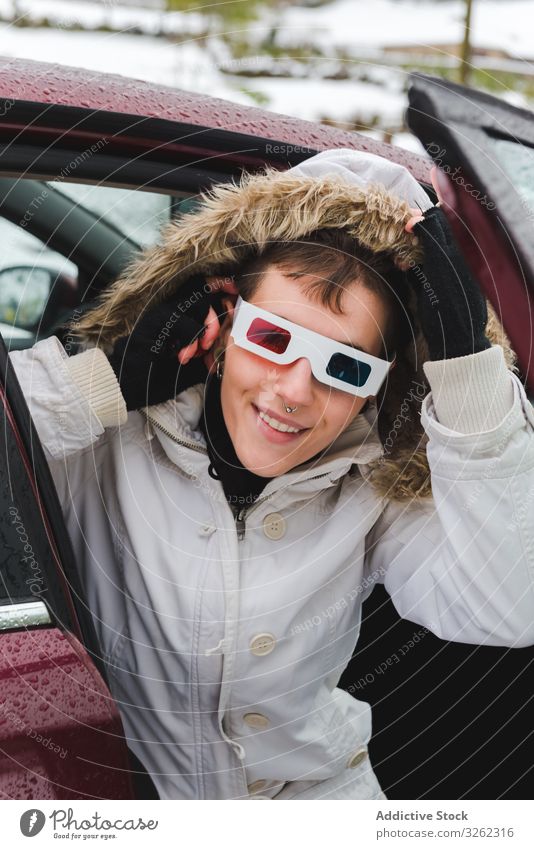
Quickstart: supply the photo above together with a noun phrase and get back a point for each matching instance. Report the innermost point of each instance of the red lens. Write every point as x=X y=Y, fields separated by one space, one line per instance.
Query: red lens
x=268 y=336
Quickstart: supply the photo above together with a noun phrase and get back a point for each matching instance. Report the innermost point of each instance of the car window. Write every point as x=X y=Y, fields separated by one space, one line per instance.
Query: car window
x=28 y=271
x=58 y=237
x=136 y=213
x=518 y=162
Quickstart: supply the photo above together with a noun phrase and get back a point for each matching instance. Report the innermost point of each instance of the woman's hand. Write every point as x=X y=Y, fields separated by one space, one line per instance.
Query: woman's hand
x=158 y=359
x=202 y=346
x=417 y=215
x=451 y=307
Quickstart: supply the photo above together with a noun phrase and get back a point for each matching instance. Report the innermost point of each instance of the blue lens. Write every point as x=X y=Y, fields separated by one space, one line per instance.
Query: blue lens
x=348 y=369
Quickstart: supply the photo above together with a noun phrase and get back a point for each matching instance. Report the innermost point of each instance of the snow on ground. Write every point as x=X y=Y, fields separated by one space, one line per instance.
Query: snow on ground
x=353 y=24
x=121 y=17
x=357 y=23
x=342 y=100
x=360 y=24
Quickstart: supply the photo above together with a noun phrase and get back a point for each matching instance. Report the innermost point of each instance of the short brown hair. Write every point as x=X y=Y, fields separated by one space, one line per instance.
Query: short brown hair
x=336 y=260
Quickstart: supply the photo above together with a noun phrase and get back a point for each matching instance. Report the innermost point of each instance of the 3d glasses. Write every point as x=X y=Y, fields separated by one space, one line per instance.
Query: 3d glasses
x=282 y=342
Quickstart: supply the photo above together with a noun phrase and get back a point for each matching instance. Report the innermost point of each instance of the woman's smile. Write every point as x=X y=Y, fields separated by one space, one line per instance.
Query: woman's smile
x=274 y=429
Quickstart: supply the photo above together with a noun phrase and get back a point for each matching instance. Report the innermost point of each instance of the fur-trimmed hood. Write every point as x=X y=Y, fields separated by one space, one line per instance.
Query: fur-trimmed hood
x=234 y=221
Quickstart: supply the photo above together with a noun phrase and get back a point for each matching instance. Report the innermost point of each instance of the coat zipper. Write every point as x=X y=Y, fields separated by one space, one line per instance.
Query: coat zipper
x=193 y=445
x=240 y=523
x=240 y=516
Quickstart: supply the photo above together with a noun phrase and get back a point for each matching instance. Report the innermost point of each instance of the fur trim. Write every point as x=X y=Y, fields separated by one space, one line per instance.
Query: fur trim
x=234 y=221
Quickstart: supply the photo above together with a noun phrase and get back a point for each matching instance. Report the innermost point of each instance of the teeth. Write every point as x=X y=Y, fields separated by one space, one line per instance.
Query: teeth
x=278 y=425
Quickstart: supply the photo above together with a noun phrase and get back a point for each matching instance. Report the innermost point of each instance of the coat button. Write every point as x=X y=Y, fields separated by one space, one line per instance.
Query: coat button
x=256 y=786
x=274 y=526
x=262 y=644
x=357 y=758
x=256 y=720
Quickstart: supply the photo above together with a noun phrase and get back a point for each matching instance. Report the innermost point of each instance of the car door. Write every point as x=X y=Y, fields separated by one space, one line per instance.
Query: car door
x=485 y=148
x=60 y=731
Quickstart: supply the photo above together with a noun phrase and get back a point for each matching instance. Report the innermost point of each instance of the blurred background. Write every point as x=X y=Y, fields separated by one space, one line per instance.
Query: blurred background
x=341 y=62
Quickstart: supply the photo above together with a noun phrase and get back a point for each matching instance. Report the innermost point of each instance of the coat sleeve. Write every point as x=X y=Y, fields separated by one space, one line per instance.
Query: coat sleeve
x=71 y=400
x=462 y=562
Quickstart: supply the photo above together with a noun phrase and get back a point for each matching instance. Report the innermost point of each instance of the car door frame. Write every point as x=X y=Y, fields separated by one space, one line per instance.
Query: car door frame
x=456 y=124
x=55 y=702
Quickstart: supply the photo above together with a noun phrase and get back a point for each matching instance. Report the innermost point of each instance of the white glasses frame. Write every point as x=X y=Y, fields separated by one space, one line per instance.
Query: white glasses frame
x=317 y=349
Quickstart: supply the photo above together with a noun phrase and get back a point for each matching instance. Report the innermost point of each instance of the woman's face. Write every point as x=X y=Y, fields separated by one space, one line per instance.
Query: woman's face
x=252 y=384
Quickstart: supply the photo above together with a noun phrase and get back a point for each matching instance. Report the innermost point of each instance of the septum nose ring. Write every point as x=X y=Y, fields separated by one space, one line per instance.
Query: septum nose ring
x=290 y=409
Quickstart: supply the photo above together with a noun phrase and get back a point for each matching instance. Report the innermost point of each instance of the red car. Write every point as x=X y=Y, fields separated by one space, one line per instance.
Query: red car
x=91 y=165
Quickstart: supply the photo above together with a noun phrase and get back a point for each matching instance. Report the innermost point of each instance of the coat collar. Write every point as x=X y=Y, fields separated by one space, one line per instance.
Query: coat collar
x=177 y=428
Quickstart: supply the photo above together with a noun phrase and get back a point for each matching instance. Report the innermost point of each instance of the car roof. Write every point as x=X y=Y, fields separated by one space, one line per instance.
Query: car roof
x=41 y=82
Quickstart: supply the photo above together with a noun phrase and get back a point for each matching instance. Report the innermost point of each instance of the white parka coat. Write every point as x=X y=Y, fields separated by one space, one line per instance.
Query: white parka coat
x=224 y=637
x=224 y=648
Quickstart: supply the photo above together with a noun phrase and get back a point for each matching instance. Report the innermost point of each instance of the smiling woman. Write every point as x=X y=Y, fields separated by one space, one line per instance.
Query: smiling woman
x=219 y=498
x=250 y=388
